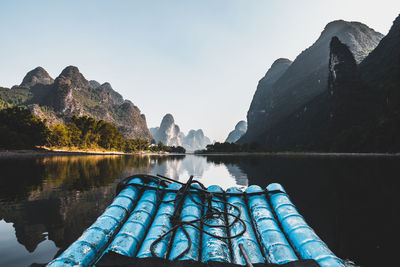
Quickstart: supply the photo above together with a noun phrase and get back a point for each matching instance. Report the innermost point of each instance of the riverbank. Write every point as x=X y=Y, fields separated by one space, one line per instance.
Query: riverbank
x=45 y=152
x=299 y=154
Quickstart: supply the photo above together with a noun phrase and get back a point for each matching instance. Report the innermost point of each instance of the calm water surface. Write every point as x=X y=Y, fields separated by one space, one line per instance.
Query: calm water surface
x=351 y=202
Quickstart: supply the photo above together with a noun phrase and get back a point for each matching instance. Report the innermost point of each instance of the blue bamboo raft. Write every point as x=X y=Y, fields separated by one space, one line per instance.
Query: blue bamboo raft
x=158 y=218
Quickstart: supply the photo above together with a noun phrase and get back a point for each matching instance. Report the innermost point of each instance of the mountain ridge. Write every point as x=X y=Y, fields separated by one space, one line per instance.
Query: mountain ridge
x=306 y=77
x=357 y=112
x=70 y=94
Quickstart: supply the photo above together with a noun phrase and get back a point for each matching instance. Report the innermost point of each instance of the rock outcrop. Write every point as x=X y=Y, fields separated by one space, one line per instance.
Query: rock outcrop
x=72 y=94
x=195 y=140
x=169 y=134
x=323 y=123
x=381 y=69
x=305 y=78
x=263 y=94
x=357 y=112
x=239 y=131
x=36 y=76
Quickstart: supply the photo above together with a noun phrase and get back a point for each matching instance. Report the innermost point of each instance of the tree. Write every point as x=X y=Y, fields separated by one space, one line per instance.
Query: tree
x=59 y=136
x=109 y=137
x=20 y=129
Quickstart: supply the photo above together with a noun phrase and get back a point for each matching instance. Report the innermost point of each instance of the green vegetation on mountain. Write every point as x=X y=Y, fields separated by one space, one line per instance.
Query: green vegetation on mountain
x=86 y=133
x=20 y=129
x=14 y=96
x=57 y=100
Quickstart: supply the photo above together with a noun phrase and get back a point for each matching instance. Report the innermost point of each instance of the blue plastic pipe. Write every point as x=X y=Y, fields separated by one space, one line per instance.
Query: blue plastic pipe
x=248 y=238
x=302 y=237
x=215 y=249
x=87 y=248
x=190 y=211
x=276 y=246
x=160 y=225
x=132 y=233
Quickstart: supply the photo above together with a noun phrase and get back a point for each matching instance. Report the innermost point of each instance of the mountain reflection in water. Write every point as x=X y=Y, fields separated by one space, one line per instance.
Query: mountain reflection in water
x=46 y=203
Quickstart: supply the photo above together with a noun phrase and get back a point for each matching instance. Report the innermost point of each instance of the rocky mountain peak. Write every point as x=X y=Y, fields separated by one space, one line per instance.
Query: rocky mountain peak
x=241 y=126
x=70 y=71
x=264 y=95
x=305 y=78
x=107 y=86
x=334 y=26
x=280 y=61
x=71 y=94
x=170 y=134
x=75 y=78
x=36 y=76
x=109 y=95
x=396 y=23
x=94 y=84
x=167 y=120
x=195 y=140
x=238 y=132
x=195 y=133
x=341 y=25
x=360 y=38
x=342 y=65
x=277 y=69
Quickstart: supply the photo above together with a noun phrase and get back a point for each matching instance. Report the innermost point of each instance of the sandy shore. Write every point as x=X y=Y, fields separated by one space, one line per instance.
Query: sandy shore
x=54 y=152
x=45 y=153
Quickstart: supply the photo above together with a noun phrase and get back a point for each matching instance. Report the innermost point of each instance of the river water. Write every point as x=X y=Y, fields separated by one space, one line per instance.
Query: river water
x=351 y=202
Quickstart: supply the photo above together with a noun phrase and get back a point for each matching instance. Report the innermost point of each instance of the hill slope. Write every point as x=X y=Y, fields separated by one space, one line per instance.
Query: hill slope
x=359 y=109
x=71 y=94
x=304 y=78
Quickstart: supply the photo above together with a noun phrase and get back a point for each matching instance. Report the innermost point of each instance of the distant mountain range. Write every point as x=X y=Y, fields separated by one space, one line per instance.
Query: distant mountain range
x=70 y=94
x=341 y=94
x=169 y=134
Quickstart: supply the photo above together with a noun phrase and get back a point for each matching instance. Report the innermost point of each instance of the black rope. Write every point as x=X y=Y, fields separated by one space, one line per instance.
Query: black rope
x=227 y=230
x=211 y=212
x=122 y=185
x=187 y=190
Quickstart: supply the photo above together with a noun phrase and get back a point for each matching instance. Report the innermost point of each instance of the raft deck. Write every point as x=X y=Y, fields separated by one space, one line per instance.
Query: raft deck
x=156 y=221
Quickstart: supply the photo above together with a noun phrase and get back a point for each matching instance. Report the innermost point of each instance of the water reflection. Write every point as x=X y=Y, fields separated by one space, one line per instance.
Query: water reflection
x=44 y=251
x=46 y=203
x=207 y=172
x=52 y=200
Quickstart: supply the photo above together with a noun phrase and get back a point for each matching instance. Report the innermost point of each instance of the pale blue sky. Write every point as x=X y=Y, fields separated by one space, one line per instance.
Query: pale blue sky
x=198 y=60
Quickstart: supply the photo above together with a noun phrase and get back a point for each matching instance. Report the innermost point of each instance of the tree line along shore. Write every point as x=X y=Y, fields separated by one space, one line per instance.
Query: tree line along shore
x=21 y=130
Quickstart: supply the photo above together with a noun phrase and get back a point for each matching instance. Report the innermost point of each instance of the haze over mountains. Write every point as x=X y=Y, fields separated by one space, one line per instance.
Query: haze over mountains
x=334 y=97
x=170 y=134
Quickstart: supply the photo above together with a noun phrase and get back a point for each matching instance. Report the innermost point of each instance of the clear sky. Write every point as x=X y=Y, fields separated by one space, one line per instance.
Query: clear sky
x=199 y=60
